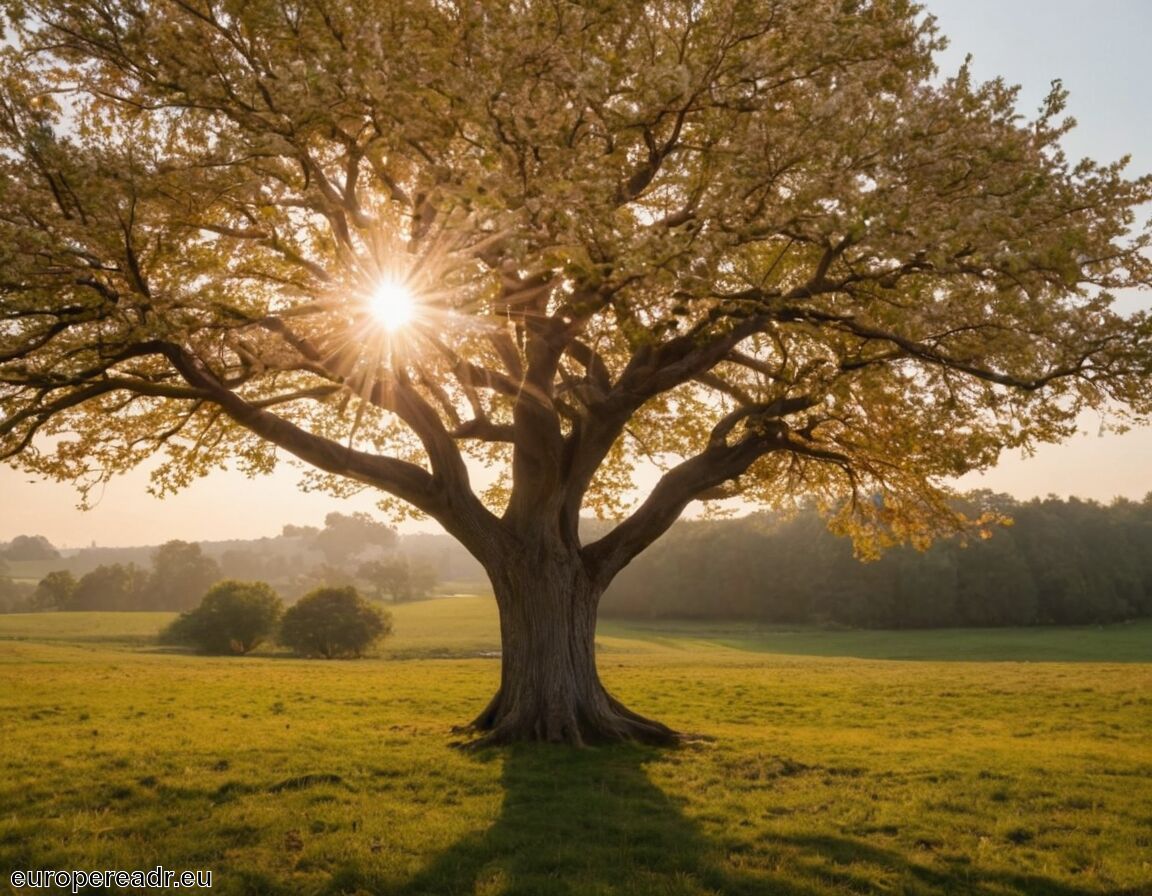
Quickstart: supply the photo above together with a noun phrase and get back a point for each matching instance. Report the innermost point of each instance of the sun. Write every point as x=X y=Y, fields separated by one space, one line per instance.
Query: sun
x=392 y=304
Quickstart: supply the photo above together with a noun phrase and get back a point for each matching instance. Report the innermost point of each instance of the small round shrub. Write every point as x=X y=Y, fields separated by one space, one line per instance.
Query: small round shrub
x=332 y=623
x=233 y=618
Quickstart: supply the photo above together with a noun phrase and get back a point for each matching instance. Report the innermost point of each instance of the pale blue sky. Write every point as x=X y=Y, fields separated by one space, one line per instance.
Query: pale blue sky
x=1098 y=49
x=1100 y=52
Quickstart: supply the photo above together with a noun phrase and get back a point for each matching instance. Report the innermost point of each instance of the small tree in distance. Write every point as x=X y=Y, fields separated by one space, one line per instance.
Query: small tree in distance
x=111 y=586
x=333 y=623
x=31 y=547
x=388 y=576
x=181 y=572
x=54 y=590
x=346 y=535
x=233 y=618
x=398 y=577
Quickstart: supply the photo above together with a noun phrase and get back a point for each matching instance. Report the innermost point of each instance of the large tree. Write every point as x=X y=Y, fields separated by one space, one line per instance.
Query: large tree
x=756 y=241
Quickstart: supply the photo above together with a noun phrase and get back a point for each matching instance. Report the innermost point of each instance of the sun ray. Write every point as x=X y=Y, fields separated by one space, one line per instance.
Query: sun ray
x=392 y=304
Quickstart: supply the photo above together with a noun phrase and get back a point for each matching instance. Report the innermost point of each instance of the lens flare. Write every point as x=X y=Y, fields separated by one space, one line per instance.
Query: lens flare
x=392 y=304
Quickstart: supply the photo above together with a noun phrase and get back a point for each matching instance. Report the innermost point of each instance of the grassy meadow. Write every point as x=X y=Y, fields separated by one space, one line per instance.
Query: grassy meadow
x=826 y=763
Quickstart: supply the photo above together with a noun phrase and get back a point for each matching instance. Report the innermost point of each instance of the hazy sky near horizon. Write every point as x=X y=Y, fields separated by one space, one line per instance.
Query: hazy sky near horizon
x=1099 y=52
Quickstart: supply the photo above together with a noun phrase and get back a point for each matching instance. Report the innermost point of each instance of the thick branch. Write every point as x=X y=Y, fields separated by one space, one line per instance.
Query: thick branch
x=649 y=373
x=447 y=463
x=407 y=481
x=675 y=490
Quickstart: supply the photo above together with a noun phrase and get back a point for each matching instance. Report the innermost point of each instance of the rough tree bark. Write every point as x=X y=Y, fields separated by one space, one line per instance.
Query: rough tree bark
x=549 y=686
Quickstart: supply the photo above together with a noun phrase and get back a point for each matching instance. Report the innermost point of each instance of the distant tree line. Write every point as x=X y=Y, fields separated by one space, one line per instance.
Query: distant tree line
x=177 y=579
x=1060 y=563
x=351 y=550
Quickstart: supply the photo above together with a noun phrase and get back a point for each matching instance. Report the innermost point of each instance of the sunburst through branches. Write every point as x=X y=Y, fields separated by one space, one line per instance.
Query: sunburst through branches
x=404 y=307
x=392 y=304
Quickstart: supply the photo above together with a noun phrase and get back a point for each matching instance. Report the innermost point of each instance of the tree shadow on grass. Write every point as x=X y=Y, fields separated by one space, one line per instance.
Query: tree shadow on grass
x=591 y=823
x=578 y=823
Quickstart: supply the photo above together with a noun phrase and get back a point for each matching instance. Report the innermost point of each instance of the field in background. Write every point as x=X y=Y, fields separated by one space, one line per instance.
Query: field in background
x=84 y=628
x=1123 y=643
x=466 y=626
x=813 y=775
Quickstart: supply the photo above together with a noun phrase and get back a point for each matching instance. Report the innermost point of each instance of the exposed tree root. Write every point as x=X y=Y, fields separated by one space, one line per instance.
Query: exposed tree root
x=499 y=725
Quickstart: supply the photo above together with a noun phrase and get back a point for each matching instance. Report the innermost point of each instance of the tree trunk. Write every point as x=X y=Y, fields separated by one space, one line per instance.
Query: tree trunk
x=549 y=688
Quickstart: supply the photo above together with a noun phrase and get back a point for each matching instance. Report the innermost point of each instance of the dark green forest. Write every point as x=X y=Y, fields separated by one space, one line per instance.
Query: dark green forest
x=1060 y=562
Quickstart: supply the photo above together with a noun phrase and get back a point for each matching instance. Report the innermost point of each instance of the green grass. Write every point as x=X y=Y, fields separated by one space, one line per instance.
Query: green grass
x=816 y=775
x=1124 y=643
x=84 y=628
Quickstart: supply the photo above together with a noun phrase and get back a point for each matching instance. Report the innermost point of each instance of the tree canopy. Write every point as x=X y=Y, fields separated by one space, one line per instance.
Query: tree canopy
x=759 y=243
